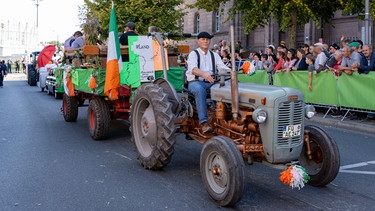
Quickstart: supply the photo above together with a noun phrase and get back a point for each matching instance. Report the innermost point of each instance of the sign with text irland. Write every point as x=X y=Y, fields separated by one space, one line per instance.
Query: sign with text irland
x=144 y=60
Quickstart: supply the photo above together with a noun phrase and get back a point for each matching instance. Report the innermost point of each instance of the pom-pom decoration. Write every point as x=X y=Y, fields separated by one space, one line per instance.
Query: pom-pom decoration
x=295 y=176
x=92 y=82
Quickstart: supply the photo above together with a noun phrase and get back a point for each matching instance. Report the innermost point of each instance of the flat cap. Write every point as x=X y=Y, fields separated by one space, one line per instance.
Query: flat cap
x=205 y=35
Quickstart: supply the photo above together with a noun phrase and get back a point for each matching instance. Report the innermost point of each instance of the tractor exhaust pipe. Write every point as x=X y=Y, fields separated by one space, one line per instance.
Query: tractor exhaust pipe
x=234 y=77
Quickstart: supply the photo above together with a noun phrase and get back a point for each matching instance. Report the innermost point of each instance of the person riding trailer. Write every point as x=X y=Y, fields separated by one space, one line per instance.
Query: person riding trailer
x=200 y=76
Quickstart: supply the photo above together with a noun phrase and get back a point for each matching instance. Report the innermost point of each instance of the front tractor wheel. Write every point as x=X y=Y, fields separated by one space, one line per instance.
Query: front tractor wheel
x=222 y=170
x=324 y=162
x=99 y=118
x=70 y=108
x=152 y=126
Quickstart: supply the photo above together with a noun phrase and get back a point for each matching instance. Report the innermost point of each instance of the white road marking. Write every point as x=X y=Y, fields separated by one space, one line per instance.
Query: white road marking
x=123 y=156
x=357 y=172
x=356 y=165
x=344 y=169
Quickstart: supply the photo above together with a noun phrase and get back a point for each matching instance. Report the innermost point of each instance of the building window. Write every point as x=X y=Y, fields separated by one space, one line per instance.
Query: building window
x=182 y=25
x=217 y=21
x=197 y=24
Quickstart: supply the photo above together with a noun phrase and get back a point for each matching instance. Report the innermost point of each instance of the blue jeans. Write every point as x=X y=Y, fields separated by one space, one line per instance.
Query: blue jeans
x=199 y=90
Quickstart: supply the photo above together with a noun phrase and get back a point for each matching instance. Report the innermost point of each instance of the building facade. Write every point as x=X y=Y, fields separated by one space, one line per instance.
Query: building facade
x=17 y=39
x=215 y=22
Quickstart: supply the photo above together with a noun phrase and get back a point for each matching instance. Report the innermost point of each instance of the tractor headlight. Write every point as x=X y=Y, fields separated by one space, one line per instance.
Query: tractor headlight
x=309 y=111
x=259 y=115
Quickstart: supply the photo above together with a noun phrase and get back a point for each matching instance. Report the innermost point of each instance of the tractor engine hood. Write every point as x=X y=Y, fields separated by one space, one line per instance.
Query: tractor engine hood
x=252 y=94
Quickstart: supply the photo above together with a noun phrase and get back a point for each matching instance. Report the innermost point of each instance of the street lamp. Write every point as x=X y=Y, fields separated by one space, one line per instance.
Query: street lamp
x=367 y=22
x=37 y=11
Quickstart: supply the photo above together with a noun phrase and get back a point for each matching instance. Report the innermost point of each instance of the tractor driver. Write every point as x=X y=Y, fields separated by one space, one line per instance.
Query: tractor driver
x=202 y=65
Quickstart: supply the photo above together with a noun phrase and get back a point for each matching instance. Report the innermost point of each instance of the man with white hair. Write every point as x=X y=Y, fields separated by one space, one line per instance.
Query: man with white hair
x=216 y=49
x=321 y=57
x=368 y=60
x=350 y=60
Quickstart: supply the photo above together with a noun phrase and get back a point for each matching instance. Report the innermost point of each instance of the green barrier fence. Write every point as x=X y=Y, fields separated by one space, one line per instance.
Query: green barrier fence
x=259 y=77
x=324 y=89
x=355 y=91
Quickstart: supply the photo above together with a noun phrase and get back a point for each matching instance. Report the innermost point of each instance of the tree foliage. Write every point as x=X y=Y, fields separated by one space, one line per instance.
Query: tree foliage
x=357 y=7
x=257 y=13
x=163 y=14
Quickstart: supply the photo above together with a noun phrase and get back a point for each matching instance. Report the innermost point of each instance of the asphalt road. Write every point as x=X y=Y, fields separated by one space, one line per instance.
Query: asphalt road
x=49 y=164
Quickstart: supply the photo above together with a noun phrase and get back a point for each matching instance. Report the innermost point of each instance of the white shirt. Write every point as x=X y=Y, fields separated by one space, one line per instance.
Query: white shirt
x=320 y=60
x=205 y=64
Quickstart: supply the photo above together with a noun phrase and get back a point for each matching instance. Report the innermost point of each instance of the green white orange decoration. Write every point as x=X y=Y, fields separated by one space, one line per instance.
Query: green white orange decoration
x=114 y=62
x=295 y=176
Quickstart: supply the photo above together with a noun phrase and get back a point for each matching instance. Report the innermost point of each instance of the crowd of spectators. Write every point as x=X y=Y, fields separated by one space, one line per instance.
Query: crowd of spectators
x=352 y=57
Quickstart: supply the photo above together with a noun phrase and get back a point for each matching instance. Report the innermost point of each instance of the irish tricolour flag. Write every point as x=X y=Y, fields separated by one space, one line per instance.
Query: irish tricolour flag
x=114 y=62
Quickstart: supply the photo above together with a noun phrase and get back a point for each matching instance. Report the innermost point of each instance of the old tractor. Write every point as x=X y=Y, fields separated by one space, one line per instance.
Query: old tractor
x=251 y=122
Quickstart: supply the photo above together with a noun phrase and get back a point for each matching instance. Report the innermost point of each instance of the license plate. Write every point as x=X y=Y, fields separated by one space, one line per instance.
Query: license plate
x=291 y=131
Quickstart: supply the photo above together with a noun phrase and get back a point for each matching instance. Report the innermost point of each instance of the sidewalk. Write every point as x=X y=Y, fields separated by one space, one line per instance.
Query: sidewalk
x=15 y=77
x=367 y=126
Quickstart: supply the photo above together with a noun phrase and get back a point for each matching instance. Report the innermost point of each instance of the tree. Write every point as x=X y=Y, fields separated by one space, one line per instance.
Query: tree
x=288 y=13
x=163 y=14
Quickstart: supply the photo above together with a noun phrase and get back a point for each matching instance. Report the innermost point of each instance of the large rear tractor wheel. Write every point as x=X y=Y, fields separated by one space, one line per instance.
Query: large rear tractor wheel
x=33 y=77
x=70 y=108
x=99 y=118
x=324 y=164
x=152 y=126
x=222 y=170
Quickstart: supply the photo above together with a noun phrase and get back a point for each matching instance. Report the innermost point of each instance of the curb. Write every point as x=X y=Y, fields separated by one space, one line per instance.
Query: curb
x=15 y=77
x=351 y=125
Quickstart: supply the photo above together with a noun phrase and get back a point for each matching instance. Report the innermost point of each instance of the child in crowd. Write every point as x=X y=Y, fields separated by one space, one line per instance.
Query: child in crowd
x=311 y=68
x=267 y=65
x=291 y=59
x=281 y=57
